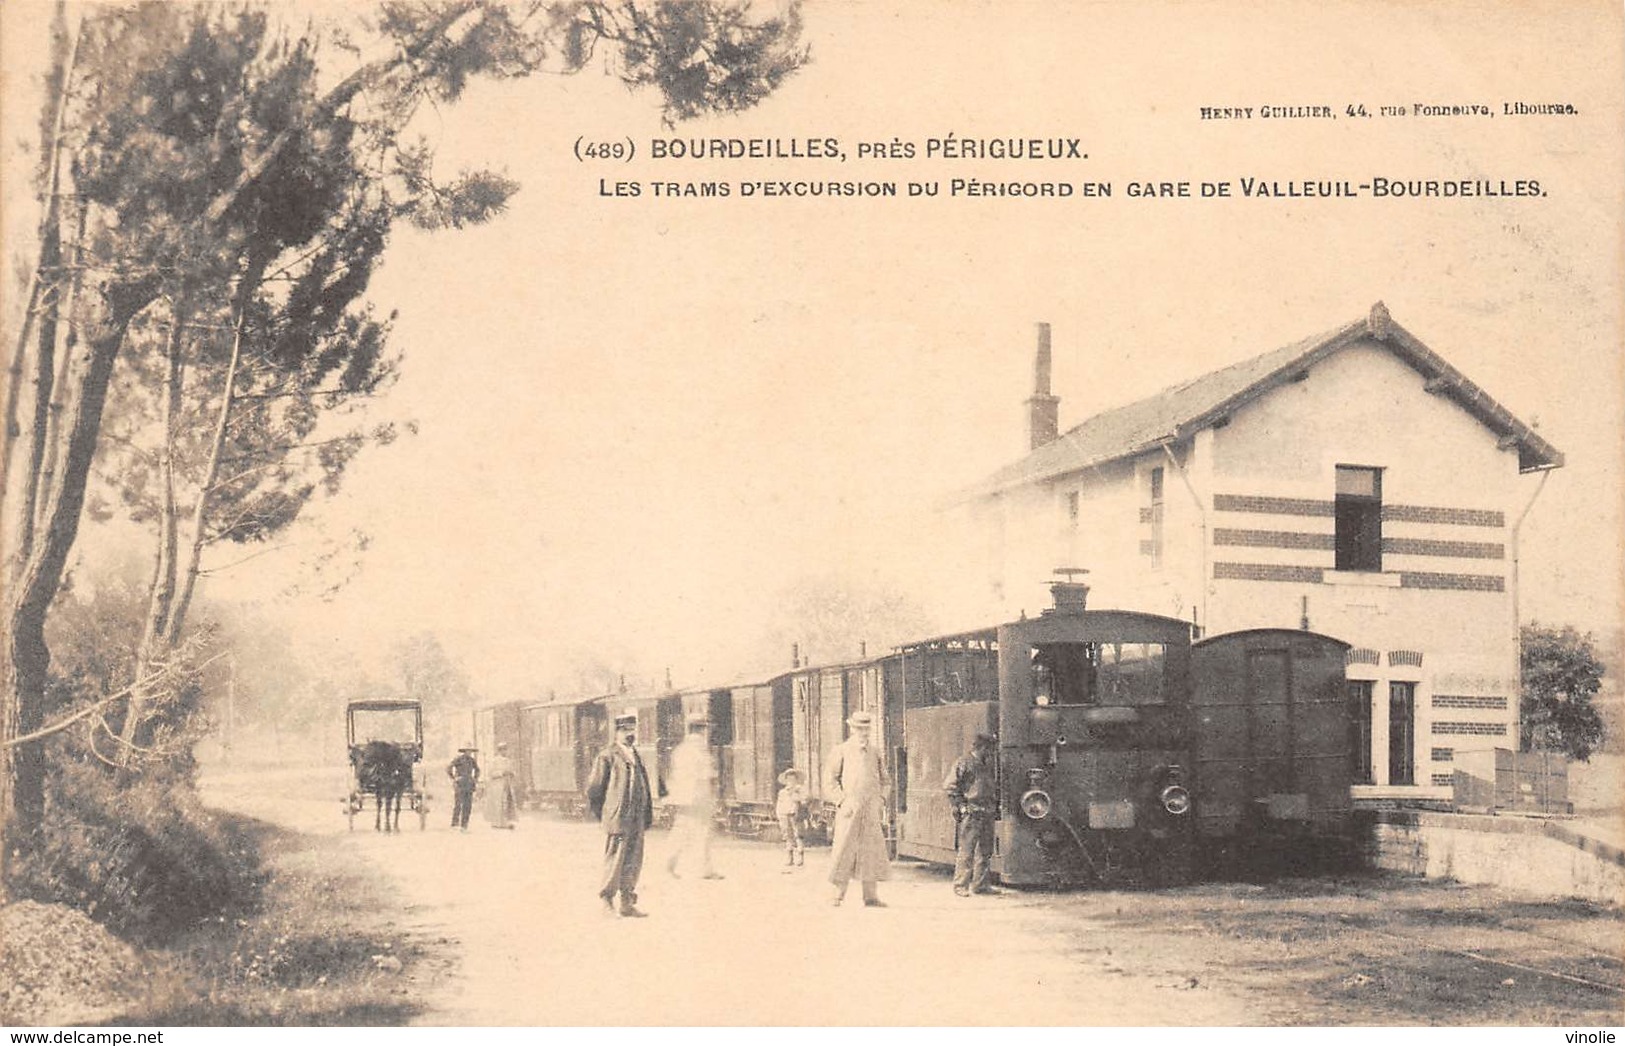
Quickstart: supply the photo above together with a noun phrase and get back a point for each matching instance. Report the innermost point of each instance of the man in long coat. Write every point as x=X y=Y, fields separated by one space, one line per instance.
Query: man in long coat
x=855 y=780
x=618 y=794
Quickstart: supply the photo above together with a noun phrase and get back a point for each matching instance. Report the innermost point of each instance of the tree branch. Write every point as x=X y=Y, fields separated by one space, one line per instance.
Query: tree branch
x=62 y=724
x=211 y=571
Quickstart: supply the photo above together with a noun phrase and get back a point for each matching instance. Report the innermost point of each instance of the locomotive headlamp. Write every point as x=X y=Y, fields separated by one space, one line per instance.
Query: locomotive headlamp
x=1036 y=804
x=1175 y=799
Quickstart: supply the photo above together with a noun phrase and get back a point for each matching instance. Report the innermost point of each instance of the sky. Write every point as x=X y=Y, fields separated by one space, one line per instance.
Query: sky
x=639 y=420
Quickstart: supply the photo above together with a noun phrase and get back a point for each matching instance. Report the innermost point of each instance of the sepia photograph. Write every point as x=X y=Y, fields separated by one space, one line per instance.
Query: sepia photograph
x=786 y=514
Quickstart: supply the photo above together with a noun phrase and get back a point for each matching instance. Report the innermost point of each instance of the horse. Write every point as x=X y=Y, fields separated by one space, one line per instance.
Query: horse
x=385 y=770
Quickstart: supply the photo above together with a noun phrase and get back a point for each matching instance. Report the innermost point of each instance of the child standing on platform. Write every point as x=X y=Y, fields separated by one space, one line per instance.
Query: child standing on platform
x=791 y=807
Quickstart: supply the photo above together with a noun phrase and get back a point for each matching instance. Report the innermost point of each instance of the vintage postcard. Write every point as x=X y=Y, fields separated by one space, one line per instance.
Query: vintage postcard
x=558 y=513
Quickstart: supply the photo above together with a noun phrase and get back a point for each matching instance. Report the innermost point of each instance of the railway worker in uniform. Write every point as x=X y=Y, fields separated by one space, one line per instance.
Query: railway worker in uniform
x=855 y=780
x=970 y=788
x=618 y=794
x=500 y=802
x=694 y=795
x=464 y=772
x=791 y=806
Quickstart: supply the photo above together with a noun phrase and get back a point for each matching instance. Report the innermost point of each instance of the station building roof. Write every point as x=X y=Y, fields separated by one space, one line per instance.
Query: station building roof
x=1175 y=413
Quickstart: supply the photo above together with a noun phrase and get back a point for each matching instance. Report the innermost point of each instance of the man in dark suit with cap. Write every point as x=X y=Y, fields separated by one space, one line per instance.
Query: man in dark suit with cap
x=464 y=772
x=618 y=794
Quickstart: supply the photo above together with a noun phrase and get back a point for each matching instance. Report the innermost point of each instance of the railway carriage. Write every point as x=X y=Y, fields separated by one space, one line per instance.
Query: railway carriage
x=1274 y=747
x=758 y=750
x=561 y=739
x=941 y=692
x=502 y=724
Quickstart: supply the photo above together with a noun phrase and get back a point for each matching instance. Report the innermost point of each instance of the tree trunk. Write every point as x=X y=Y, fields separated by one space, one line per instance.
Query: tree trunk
x=24 y=657
x=161 y=592
x=65 y=304
x=22 y=668
x=182 y=603
x=64 y=54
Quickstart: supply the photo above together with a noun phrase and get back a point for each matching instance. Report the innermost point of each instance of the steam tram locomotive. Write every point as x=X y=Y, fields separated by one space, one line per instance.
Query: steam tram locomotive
x=1094 y=741
x=1125 y=748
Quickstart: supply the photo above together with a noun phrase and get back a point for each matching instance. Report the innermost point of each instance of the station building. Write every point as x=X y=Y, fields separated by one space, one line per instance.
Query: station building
x=1354 y=484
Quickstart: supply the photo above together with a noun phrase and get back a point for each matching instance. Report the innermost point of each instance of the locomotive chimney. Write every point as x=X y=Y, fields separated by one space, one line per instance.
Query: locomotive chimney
x=1043 y=409
x=1071 y=595
x=795 y=655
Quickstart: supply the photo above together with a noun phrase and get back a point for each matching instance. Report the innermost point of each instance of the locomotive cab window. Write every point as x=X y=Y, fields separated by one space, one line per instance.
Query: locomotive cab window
x=1098 y=673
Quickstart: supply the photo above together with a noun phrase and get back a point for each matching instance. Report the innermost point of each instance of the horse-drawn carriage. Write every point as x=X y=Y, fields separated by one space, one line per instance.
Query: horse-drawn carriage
x=386 y=745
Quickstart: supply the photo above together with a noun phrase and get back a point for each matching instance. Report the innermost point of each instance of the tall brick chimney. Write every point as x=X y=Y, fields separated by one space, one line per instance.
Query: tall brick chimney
x=1043 y=409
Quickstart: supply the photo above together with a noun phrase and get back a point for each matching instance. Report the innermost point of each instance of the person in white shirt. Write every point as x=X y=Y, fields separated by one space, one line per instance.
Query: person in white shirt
x=693 y=792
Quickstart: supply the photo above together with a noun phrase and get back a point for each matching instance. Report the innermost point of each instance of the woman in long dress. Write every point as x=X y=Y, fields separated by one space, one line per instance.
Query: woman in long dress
x=500 y=803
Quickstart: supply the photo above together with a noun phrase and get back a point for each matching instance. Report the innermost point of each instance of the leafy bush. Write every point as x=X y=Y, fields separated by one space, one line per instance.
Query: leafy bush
x=143 y=858
x=1561 y=677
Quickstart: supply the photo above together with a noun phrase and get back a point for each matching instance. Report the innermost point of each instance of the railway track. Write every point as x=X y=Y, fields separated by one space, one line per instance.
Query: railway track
x=1417 y=944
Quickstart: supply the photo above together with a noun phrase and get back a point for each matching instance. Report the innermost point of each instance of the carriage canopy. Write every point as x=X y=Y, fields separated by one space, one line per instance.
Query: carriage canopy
x=398 y=722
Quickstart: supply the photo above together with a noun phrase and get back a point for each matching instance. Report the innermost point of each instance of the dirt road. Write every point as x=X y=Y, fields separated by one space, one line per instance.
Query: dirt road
x=528 y=945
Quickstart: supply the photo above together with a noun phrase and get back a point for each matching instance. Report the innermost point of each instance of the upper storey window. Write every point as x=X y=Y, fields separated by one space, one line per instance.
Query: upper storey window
x=1359 y=518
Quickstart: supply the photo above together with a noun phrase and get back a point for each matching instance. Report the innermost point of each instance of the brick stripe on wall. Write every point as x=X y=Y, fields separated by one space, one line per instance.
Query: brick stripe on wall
x=1276 y=506
x=1424 y=547
x=1471 y=701
x=1459 y=582
x=1470 y=729
x=1444 y=755
x=1440 y=780
x=1297 y=539
x=1274 y=539
x=1465 y=517
x=1314 y=575
x=1267 y=572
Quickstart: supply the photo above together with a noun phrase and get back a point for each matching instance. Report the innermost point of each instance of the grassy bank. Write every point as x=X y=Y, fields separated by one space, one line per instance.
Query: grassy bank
x=323 y=947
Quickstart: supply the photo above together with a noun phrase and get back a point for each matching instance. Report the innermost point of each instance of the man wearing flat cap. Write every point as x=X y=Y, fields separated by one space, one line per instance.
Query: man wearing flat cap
x=855 y=780
x=618 y=794
x=975 y=801
x=464 y=772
